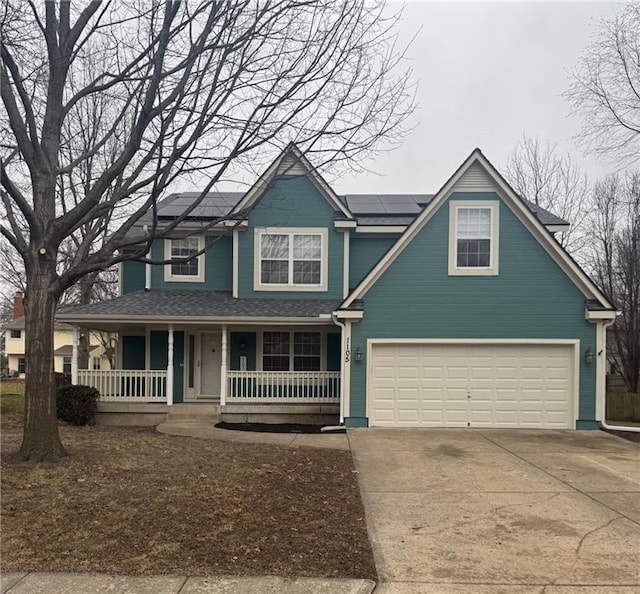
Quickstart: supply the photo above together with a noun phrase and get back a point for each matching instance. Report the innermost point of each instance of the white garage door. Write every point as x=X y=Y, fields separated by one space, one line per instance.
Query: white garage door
x=471 y=385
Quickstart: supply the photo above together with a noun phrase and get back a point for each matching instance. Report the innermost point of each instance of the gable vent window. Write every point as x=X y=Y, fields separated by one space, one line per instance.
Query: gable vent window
x=291 y=261
x=473 y=238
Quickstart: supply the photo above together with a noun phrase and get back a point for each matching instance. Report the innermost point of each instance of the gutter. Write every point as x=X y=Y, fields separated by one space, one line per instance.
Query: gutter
x=603 y=422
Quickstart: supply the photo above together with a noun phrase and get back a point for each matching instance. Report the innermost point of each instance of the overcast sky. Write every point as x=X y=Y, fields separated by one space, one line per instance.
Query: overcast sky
x=488 y=73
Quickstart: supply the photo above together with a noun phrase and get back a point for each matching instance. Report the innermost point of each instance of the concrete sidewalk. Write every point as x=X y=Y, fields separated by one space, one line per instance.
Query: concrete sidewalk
x=79 y=583
x=329 y=440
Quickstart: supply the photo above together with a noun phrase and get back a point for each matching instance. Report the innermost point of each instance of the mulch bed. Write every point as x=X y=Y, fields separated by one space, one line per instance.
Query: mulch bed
x=628 y=435
x=275 y=428
x=134 y=501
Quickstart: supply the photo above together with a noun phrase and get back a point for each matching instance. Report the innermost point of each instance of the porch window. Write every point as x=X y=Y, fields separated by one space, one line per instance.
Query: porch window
x=291 y=259
x=66 y=365
x=285 y=351
x=188 y=271
x=96 y=364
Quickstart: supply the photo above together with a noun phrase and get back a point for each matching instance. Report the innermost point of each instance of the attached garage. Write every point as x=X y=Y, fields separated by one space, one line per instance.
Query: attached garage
x=502 y=383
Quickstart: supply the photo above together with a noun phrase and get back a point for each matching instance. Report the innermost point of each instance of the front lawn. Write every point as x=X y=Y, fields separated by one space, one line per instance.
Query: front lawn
x=134 y=501
x=11 y=396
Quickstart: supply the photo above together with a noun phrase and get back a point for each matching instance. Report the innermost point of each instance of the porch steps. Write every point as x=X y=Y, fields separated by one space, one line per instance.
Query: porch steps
x=206 y=414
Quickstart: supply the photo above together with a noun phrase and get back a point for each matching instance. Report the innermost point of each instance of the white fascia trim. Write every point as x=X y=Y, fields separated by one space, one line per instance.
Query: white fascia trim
x=601 y=315
x=345 y=263
x=557 y=228
x=381 y=229
x=580 y=279
x=412 y=230
x=537 y=229
x=264 y=180
x=566 y=341
x=342 y=314
x=345 y=224
x=174 y=278
x=86 y=321
x=235 y=246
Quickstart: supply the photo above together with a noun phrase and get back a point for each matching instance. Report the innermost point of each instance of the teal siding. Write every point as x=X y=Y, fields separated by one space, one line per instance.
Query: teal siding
x=333 y=351
x=132 y=277
x=133 y=351
x=249 y=339
x=218 y=268
x=158 y=358
x=291 y=202
x=530 y=298
x=364 y=252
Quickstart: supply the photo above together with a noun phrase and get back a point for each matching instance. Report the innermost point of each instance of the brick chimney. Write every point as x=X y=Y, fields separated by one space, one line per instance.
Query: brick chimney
x=18 y=305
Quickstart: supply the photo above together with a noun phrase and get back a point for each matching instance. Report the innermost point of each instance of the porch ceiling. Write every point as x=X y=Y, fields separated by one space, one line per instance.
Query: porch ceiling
x=189 y=305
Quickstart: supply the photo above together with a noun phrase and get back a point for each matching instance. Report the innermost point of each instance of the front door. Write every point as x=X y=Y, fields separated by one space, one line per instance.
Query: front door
x=210 y=360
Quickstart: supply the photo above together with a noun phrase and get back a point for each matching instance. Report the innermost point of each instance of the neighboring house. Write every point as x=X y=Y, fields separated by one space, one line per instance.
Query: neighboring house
x=458 y=309
x=62 y=343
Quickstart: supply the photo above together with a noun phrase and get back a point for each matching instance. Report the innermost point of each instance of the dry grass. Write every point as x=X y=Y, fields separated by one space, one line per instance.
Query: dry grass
x=134 y=501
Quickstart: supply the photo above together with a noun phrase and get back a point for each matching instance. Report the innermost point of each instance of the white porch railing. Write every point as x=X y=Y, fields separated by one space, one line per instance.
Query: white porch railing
x=127 y=385
x=283 y=386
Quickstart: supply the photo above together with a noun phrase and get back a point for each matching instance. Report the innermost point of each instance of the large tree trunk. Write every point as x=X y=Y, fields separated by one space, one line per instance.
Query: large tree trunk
x=41 y=439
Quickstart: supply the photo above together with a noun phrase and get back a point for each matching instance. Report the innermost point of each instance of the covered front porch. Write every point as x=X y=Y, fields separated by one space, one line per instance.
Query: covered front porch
x=193 y=347
x=221 y=365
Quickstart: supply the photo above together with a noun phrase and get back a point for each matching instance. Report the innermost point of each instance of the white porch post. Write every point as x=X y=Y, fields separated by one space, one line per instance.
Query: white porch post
x=74 y=356
x=170 y=367
x=223 y=368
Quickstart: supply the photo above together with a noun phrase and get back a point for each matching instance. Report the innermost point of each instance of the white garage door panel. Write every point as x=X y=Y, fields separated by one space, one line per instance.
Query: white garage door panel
x=460 y=385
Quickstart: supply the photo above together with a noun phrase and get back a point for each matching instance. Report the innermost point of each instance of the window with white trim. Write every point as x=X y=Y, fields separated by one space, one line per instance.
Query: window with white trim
x=296 y=351
x=22 y=365
x=291 y=259
x=16 y=334
x=186 y=271
x=473 y=238
x=66 y=365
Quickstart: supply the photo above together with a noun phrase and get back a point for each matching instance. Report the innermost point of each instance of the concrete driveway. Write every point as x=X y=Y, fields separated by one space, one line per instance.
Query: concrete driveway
x=501 y=511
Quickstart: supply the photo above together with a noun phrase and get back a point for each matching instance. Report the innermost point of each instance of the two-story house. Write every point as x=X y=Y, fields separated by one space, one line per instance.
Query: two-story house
x=15 y=348
x=457 y=309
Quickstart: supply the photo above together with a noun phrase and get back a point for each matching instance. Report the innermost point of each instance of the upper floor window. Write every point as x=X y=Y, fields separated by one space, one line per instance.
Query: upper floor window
x=15 y=333
x=291 y=259
x=473 y=237
x=190 y=271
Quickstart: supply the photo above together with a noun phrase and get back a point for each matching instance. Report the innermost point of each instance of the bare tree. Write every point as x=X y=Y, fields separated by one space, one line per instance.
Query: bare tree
x=605 y=88
x=555 y=183
x=174 y=89
x=615 y=255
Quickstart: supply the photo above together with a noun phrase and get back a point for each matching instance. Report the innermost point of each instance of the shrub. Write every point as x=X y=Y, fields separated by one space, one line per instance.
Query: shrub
x=76 y=404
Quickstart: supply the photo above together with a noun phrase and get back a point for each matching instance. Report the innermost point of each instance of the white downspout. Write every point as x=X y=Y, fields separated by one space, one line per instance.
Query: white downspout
x=603 y=386
x=342 y=326
x=147 y=266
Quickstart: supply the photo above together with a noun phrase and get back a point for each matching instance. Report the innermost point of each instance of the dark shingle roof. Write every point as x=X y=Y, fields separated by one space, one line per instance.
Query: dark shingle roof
x=368 y=209
x=172 y=304
x=544 y=216
x=213 y=205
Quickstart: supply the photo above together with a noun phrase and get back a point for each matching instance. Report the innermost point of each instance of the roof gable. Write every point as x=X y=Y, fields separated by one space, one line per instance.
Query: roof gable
x=477 y=174
x=291 y=162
